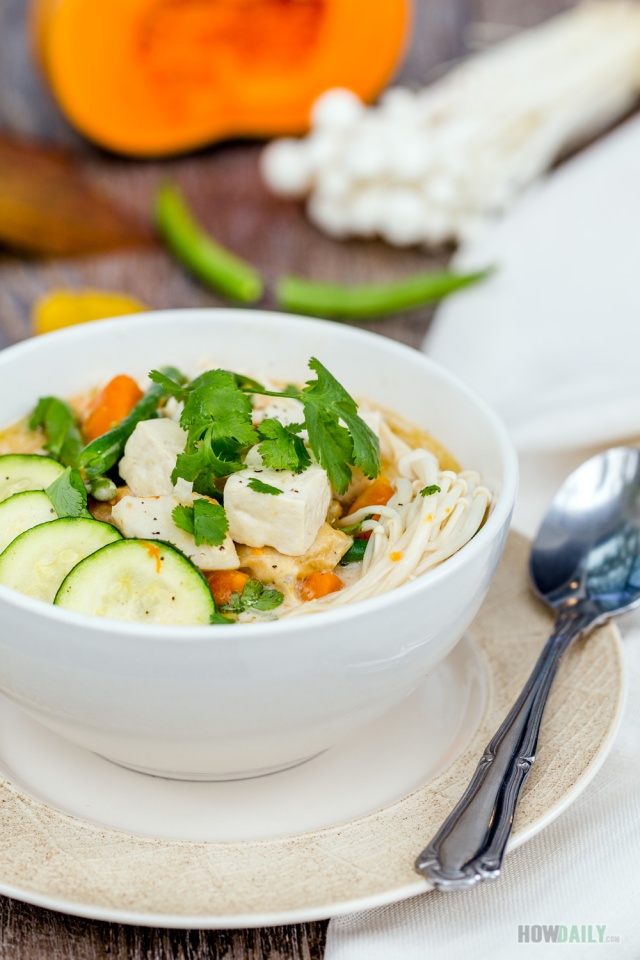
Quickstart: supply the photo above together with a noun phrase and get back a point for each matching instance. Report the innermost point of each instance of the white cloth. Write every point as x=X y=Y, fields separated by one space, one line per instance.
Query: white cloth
x=553 y=342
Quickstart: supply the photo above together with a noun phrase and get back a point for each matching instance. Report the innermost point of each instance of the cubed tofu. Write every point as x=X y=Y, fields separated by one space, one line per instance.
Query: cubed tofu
x=150 y=457
x=288 y=521
x=150 y=518
x=285 y=409
x=270 y=566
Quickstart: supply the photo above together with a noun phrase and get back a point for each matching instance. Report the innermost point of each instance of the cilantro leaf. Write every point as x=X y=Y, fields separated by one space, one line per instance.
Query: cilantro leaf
x=207 y=522
x=331 y=445
x=173 y=387
x=259 y=487
x=68 y=495
x=217 y=417
x=216 y=403
x=329 y=395
x=183 y=518
x=281 y=449
x=58 y=421
x=428 y=491
x=255 y=596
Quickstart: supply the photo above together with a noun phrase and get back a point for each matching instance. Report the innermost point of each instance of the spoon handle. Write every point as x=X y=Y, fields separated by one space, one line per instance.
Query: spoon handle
x=470 y=844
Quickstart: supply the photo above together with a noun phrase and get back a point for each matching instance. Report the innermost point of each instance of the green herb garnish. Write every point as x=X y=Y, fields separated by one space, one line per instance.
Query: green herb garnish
x=255 y=596
x=335 y=447
x=206 y=522
x=68 y=495
x=428 y=491
x=261 y=487
x=217 y=417
x=58 y=421
x=281 y=449
x=217 y=420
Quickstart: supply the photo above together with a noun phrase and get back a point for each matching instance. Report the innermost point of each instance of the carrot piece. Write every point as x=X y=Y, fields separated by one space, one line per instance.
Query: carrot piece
x=377 y=493
x=112 y=405
x=318 y=585
x=224 y=583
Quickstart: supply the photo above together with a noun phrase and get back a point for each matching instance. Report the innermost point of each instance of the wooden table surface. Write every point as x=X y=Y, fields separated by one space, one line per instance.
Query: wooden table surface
x=274 y=235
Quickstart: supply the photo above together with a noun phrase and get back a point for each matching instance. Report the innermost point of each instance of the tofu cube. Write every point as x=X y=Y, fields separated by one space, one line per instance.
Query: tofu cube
x=150 y=457
x=150 y=518
x=285 y=409
x=289 y=521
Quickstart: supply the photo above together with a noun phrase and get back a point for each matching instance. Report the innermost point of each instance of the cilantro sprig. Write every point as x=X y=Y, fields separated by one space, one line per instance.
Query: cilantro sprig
x=336 y=447
x=255 y=596
x=58 y=421
x=217 y=418
x=68 y=495
x=430 y=490
x=206 y=522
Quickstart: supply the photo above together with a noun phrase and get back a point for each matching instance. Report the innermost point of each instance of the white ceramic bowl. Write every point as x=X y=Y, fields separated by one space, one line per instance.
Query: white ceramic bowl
x=225 y=702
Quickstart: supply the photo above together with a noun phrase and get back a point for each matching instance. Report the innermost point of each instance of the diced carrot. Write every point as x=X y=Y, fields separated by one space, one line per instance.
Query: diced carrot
x=224 y=583
x=113 y=404
x=318 y=585
x=376 y=494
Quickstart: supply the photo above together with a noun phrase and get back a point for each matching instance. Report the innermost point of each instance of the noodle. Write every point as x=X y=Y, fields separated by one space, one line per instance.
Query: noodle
x=412 y=533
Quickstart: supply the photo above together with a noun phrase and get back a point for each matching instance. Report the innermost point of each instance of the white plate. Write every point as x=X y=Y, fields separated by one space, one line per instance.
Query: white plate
x=334 y=835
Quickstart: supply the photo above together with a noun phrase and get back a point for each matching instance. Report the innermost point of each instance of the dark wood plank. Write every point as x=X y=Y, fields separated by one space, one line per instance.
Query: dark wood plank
x=275 y=236
x=29 y=933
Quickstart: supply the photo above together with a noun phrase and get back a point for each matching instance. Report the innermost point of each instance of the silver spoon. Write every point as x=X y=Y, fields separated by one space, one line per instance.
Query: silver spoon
x=585 y=564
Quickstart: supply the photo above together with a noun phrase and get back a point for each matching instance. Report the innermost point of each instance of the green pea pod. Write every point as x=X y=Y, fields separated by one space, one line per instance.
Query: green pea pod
x=208 y=260
x=373 y=300
x=99 y=456
x=103 y=489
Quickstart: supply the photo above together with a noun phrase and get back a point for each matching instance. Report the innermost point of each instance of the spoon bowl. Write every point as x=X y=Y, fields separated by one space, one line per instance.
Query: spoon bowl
x=588 y=546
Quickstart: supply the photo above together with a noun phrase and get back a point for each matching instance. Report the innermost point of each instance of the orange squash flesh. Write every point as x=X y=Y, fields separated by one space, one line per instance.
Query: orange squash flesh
x=158 y=77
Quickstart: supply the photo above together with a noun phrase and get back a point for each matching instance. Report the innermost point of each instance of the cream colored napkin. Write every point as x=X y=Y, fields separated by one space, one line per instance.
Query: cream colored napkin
x=553 y=342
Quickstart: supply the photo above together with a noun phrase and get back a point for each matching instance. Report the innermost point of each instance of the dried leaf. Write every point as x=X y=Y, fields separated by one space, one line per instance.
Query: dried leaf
x=46 y=206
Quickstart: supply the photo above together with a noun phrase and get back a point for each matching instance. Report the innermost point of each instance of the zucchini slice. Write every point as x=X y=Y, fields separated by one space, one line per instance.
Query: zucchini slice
x=26 y=471
x=140 y=581
x=21 y=512
x=37 y=561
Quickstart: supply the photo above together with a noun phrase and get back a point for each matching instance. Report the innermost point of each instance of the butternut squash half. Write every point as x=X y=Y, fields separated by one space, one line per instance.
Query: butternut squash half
x=158 y=77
